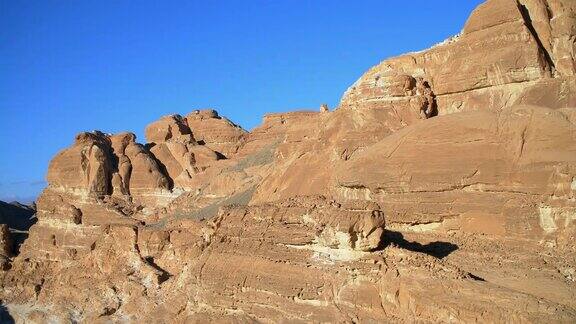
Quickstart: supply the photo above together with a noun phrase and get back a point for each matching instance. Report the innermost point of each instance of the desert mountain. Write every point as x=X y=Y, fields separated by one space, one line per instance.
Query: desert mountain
x=443 y=189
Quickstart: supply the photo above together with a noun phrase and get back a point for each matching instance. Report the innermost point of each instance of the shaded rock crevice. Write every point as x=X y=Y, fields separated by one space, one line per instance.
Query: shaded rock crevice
x=545 y=53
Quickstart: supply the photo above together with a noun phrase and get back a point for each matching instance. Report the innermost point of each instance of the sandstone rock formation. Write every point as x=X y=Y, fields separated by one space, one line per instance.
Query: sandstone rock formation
x=217 y=133
x=510 y=52
x=442 y=189
x=469 y=171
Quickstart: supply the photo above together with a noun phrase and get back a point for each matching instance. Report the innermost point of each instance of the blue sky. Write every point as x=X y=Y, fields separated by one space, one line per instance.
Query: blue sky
x=70 y=66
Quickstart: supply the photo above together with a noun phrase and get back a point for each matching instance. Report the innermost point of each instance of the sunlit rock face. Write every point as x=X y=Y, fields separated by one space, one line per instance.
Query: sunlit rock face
x=509 y=52
x=478 y=172
x=442 y=189
x=216 y=132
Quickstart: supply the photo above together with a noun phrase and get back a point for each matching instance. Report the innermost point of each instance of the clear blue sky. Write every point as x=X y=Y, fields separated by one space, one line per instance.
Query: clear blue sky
x=69 y=66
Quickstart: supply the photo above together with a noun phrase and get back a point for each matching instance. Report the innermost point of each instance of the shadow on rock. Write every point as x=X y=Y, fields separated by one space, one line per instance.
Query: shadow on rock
x=436 y=249
x=5 y=317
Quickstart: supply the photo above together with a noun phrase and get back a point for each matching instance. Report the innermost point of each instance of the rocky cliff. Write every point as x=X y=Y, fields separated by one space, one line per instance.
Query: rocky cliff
x=443 y=188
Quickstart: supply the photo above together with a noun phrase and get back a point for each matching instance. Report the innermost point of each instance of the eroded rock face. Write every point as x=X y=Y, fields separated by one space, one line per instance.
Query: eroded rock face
x=217 y=133
x=86 y=166
x=508 y=173
x=509 y=53
x=433 y=193
x=167 y=128
x=100 y=165
x=171 y=142
x=306 y=259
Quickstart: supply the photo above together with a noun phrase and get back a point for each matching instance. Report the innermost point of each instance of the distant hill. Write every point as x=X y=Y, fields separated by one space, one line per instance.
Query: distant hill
x=16 y=215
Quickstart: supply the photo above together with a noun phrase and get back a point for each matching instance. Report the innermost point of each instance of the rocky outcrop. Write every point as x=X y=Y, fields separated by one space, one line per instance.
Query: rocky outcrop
x=434 y=193
x=216 y=132
x=507 y=174
x=509 y=52
x=172 y=143
x=86 y=166
x=98 y=165
x=305 y=259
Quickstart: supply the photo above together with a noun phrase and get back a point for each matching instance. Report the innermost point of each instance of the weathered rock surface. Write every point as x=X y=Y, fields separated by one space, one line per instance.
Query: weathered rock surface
x=443 y=189
x=307 y=259
x=509 y=173
x=510 y=52
x=217 y=133
x=173 y=144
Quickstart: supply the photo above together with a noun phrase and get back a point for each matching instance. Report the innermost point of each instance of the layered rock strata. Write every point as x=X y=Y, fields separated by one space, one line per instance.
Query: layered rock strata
x=442 y=189
x=510 y=52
